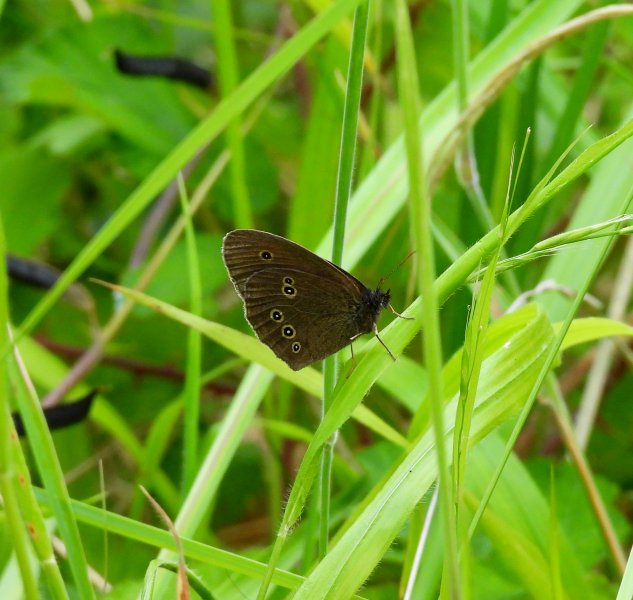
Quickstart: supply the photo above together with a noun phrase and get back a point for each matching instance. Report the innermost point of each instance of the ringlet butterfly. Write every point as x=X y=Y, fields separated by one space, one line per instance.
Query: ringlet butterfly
x=300 y=305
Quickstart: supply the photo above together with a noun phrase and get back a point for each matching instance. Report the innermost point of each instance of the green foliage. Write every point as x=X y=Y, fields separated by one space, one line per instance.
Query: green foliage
x=88 y=162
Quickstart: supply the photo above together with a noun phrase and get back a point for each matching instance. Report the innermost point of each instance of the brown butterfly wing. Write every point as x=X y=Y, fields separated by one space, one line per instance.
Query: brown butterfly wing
x=245 y=250
x=320 y=310
x=314 y=322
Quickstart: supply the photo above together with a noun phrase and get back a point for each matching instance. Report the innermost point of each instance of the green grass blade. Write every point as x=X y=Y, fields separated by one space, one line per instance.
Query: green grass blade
x=344 y=181
x=15 y=522
x=52 y=475
x=228 y=76
x=194 y=347
x=422 y=238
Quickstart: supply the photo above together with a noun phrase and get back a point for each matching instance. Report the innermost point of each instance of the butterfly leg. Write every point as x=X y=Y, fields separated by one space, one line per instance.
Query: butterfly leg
x=395 y=312
x=383 y=343
x=351 y=347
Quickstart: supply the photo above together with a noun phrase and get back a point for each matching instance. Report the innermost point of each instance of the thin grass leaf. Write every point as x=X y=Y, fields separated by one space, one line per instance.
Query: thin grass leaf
x=228 y=78
x=159 y=538
x=194 y=350
x=472 y=359
x=556 y=243
x=39 y=532
x=344 y=181
x=52 y=475
x=590 y=329
x=422 y=239
x=15 y=521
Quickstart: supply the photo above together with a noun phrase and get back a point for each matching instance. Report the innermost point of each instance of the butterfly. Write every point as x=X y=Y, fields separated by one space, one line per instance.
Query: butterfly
x=303 y=307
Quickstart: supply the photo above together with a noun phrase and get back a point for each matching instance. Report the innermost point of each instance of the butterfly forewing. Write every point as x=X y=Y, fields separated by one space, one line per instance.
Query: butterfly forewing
x=246 y=251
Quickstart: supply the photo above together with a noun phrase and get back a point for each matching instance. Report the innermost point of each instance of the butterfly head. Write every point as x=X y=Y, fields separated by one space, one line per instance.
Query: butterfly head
x=379 y=299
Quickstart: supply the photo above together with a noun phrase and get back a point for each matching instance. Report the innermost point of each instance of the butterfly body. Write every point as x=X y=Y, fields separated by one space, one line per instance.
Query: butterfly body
x=367 y=311
x=301 y=306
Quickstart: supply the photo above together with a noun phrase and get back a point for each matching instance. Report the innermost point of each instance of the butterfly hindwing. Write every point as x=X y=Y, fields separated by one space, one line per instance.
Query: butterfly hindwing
x=304 y=326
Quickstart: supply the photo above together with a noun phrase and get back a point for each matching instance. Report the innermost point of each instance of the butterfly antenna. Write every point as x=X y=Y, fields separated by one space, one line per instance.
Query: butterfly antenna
x=404 y=260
